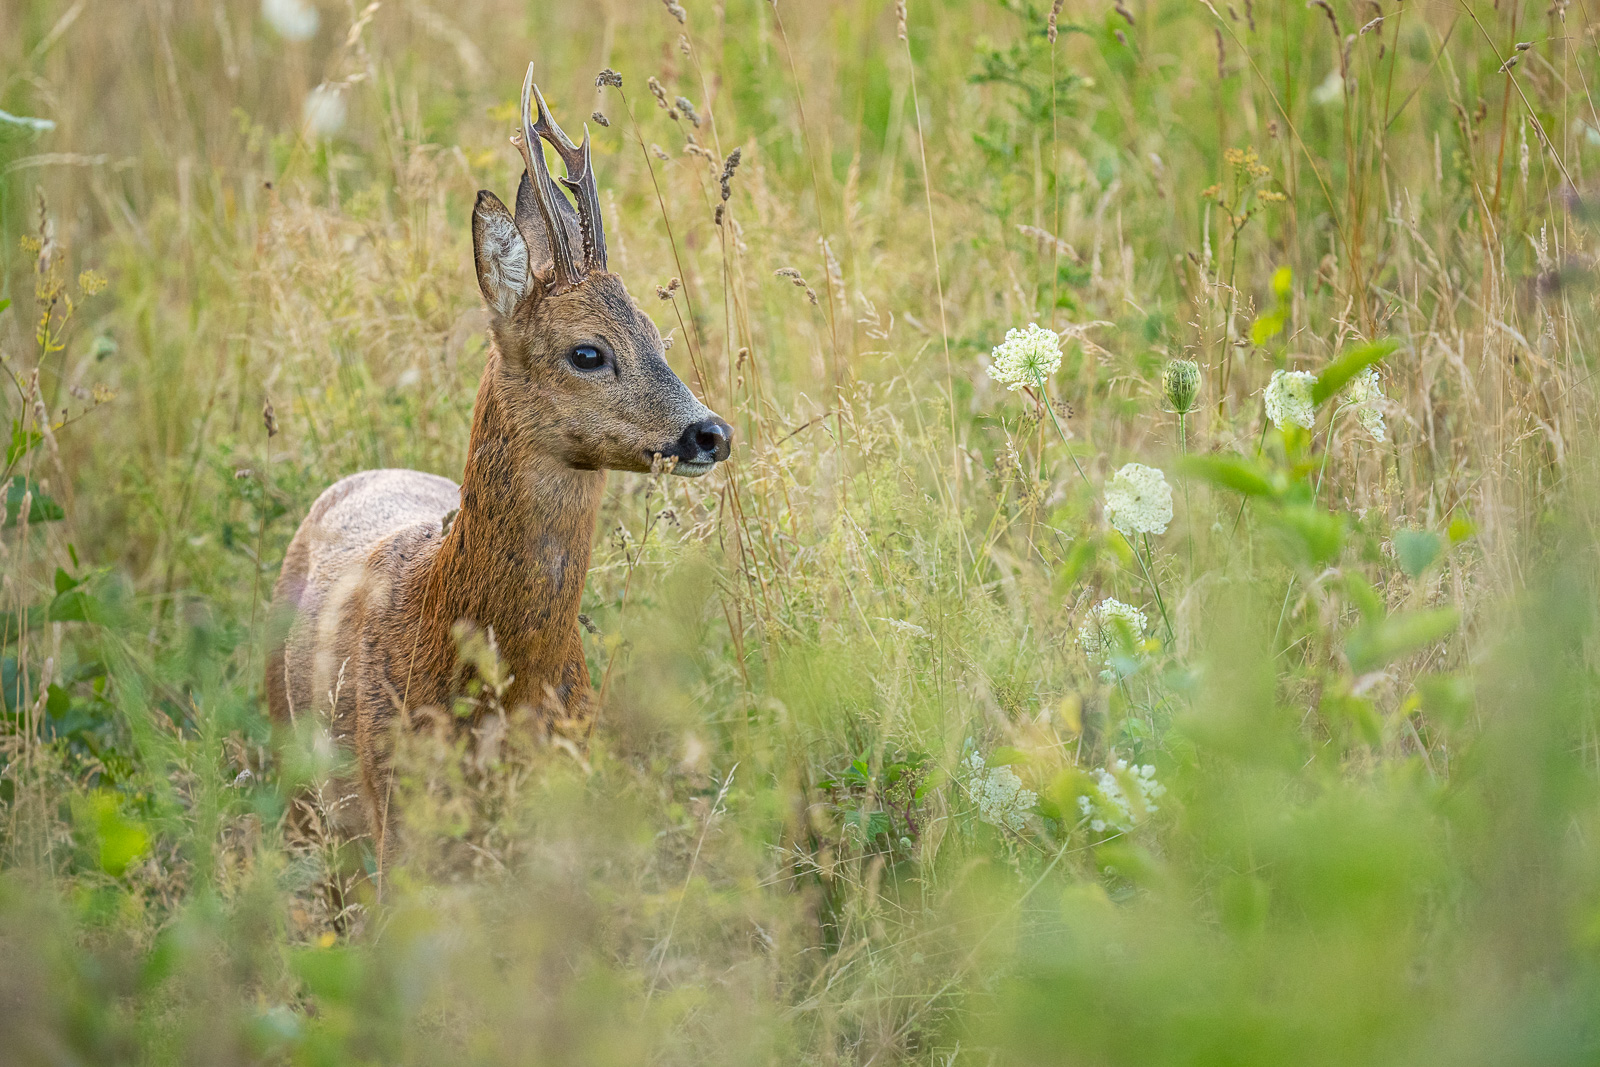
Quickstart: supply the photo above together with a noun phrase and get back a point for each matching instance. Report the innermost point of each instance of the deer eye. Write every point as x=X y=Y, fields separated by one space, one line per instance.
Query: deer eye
x=587 y=357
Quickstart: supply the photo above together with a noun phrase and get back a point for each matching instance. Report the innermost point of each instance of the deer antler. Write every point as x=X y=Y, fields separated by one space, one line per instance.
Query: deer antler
x=579 y=179
x=545 y=192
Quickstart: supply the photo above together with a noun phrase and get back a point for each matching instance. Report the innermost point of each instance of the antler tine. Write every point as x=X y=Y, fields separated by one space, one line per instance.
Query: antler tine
x=579 y=179
x=544 y=191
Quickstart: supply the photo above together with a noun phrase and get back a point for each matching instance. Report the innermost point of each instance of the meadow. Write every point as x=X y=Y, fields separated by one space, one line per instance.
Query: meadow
x=1203 y=673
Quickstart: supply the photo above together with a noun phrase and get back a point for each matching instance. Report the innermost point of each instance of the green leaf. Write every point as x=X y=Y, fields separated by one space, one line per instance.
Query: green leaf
x=1461 y=528
x=64 y=581
x=1336 y=374
x=1313 y=534
x=1234 y=473
x=1377 y=643
x=5 y=303
x=43 y=509
x=335 y=974
x=75 y=605
x=22 y=442
x=1266 y=327
x=1416 y=549
x=122 y=840
x=1446 y=698
x=1282 y=278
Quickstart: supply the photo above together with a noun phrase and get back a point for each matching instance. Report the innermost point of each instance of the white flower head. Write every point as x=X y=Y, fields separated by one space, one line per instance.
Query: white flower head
x=1139 y=500
x=1025 y=357
x=1289 y=398
x=1123 y=796
x=1100 y=634
x=1366 y=396
x=1002 y=799
x=325 y=111
x=295 y=20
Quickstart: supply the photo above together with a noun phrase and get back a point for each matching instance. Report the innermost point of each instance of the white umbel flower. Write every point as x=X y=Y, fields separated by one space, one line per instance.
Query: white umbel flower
x=1289 y=398
x=1025 y=357
x=1002 y=799
x=1139 y=500
x=325 y=111
x=1099 y=634
x=1366 y=396
x=295 y=20
x=1123 y=796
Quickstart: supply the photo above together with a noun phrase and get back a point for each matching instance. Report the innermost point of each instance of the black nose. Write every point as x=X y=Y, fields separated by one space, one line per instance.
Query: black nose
x=707 y=441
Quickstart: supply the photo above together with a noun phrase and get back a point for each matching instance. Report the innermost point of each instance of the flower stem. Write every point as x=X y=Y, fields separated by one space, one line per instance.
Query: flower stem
x=1150 y=577
x=1045 y=400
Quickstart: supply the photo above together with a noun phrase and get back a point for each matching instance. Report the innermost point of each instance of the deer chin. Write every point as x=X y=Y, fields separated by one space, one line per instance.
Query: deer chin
x=693 y=468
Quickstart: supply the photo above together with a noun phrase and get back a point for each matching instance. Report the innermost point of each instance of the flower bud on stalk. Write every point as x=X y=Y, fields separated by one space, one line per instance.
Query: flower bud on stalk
x=1182 y=384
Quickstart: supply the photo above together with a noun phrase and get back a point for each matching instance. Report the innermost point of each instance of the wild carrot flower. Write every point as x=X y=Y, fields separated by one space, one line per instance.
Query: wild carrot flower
x=1110 y=624
x=1001 y=797
x=1123 y=796
x=295 y=20
x=1366 y=396
x=1139 y=500
x=1288 y=398
x=1025 y=357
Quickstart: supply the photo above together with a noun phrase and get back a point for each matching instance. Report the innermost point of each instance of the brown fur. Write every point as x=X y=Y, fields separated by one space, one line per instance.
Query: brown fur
x=372 y=585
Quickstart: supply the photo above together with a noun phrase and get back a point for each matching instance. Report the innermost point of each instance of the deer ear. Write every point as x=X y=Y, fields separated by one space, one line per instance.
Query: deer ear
x=530 y=223
x=501 y=254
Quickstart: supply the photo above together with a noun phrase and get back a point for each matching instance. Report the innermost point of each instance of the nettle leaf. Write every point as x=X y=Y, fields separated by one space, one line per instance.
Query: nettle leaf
x=1229 y=472
x=1416 y=550
x=1376 y=643
x=1336 y=375
x=42 y=509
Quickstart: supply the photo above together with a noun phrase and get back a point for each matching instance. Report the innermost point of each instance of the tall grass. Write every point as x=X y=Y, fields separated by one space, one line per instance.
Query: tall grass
x=875 y=780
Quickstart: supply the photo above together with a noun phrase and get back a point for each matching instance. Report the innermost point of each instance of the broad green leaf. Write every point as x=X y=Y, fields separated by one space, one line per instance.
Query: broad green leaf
x=1266 y=327
x=1461 y=528
x=5 y=303
x=1446 y=698
x=1312 y=533
x=1377 y=643
x=64 y=581
x=1234 y=473
x=1282 y=278
x=1336 y=374
x=22 y=442
x=42 y=509
x=336 y=973
x=75 y=605
x=1416 y=549
x=122 y=840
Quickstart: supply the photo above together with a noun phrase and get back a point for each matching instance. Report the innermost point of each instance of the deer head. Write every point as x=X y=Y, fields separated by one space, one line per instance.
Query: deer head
x=582 y=368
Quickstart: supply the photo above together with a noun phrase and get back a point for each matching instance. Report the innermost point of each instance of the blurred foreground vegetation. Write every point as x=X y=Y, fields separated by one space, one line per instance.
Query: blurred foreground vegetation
x=871 y=783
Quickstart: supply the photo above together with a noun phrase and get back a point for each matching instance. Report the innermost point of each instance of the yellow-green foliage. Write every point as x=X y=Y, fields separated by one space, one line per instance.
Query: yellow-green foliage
x=907 y=753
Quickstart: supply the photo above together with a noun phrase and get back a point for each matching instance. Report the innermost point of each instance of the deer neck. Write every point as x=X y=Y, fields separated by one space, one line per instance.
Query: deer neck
x=517 y=552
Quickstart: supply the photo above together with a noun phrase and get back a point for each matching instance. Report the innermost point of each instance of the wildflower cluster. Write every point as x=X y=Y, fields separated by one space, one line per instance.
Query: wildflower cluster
x=1001 y=797
x=1289 y=400
x=1366 y=397
x=1123 y=796
x=1025 y=357
x=1139 y=500
x=1110 y=623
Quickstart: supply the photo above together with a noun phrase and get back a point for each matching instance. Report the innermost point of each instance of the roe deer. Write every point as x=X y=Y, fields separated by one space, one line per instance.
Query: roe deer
x=575 y=384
